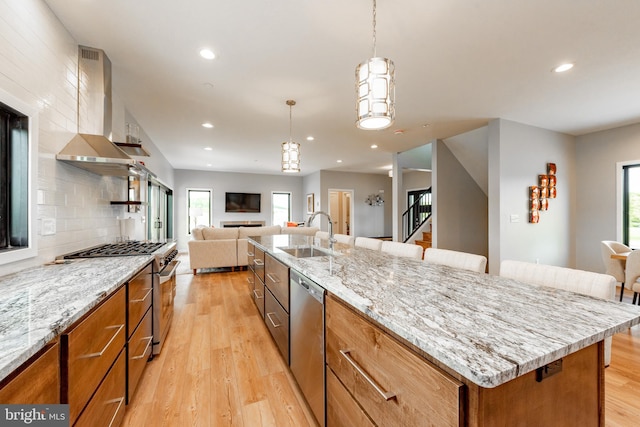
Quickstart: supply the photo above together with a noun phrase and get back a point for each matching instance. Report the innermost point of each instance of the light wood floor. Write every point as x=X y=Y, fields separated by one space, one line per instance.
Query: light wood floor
x=219 y=366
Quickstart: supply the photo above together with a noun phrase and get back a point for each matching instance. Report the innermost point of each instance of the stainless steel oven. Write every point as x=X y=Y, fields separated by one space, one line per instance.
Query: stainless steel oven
x=164 y=293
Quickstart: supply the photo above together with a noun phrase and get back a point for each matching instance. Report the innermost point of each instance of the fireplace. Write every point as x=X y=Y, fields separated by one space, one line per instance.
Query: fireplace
x=228 y=224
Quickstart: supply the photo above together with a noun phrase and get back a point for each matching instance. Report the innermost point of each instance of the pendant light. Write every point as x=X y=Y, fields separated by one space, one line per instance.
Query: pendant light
x=290 y=150
x=375 y=89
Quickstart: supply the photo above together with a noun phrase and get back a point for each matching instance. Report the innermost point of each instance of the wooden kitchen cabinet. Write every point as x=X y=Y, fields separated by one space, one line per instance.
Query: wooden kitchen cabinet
x=277 y=321
x=251 y=255
x=89 y=349
x=139 y=349
x=139 y=327
x=276 y=278
x=37 y=381
x=139 y=297
x=342 y=409
x=107 y=406
x=393 y=385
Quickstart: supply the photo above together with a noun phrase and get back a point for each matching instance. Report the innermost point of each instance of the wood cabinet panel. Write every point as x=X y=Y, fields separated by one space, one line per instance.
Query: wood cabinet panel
x=140 y=294
x=258 y=263
x=91 y=347
x=276 y=278
x=342 y=409
x=371 y=363
x=572 y=397
x=37 y=381
x=277 y=321
x=139 y=350
x=258 y=296
x=107 y=406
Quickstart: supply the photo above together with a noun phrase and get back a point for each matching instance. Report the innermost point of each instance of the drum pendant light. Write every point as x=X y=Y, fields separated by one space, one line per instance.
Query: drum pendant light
x=290 y=150
x=375 y=89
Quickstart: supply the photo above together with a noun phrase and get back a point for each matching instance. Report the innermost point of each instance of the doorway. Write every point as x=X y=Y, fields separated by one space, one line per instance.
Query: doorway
x=340 y=211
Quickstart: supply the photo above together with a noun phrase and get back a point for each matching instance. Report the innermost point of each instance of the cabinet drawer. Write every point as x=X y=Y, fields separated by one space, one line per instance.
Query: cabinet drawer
x=37 y=382
x=342 y=410
x=251 y=255
x=138 y=352
x=392 y=384
x=139 y=297
x=277 y=321
x=276 y=278
x=251 y=281
x=258 y=263
x=258 y=296
x=107 y=406
x=91 y=348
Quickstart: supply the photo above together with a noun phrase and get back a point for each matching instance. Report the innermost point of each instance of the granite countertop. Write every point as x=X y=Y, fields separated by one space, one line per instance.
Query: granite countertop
x=486 y=328
x=38 y=304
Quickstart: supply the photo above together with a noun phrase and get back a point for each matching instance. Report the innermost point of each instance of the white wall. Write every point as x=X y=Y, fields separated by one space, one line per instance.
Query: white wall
x=311 y=185
x=596 y=219
x=368 y=220
x=222 y=182
x=38 y=65
x=460 y=211
x=517 y=155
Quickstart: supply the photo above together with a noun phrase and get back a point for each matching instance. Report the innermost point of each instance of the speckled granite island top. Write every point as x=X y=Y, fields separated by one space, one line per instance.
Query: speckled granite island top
x=486 y=328
x=37 y=304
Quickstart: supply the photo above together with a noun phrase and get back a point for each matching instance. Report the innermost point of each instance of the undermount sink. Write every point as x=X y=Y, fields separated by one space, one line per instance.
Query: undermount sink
x=305 y=251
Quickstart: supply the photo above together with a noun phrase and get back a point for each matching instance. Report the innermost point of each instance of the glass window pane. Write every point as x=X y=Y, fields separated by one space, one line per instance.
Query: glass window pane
x=280 y=208
x=632 y=206
x=199 y=208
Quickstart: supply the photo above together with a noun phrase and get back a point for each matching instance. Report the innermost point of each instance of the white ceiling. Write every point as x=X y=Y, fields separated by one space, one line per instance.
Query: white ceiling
x=458 y=64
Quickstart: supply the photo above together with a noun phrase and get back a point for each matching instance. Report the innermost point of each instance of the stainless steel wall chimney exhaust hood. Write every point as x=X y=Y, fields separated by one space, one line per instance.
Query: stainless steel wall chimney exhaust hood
x=91 y=148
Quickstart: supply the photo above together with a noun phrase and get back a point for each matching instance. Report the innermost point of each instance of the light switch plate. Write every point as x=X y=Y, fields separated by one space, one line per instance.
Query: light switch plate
x=514 y=218
x=48 y=226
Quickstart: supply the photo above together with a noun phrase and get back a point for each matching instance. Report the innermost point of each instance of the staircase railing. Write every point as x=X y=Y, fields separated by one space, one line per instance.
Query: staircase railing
x=417 y=214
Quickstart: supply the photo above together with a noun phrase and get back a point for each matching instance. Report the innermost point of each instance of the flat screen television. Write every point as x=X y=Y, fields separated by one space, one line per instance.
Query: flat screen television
x=242 y=202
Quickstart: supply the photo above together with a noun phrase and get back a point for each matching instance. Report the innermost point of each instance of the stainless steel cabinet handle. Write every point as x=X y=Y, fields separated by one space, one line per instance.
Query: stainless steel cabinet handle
x=120 y=401
x=257 y=294
x=101 y=352
x=149 y=340
x=386 y=395
x=249 y=280
x=276 y=280
x=144 y=297
x=250 y=254
x=271 y=320
x=258 y=262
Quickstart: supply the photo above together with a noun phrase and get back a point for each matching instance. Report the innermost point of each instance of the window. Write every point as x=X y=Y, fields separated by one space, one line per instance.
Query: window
x=198 y=208
x=631 y=206
x=280 y=208
x=16 y=178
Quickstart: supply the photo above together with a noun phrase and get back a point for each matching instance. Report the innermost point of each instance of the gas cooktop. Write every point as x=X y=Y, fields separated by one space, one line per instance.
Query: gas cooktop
x=117 y=249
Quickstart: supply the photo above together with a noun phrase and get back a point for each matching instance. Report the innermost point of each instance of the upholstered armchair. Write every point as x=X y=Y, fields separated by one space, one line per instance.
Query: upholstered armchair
x=614 y=267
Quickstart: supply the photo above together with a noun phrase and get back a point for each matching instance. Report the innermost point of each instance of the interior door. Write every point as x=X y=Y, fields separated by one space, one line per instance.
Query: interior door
x=340 y=207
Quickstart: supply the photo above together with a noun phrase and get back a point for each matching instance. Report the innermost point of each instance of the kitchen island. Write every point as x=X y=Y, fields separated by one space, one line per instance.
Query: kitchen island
x=489 y=333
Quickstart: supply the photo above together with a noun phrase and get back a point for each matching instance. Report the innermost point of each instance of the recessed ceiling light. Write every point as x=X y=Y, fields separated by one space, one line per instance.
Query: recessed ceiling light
x=207 y=125
x=207 y=53
x=338 y=161
x=310 y=138
x=208 y=149
x=209 y=165
x=564 y=67
x=374 y=146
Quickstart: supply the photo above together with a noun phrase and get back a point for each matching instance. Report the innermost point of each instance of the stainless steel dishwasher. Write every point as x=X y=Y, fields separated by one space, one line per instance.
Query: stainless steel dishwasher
x=307 y=360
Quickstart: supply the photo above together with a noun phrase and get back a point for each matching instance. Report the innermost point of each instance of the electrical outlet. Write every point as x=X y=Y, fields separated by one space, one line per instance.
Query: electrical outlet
x=514 y=218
